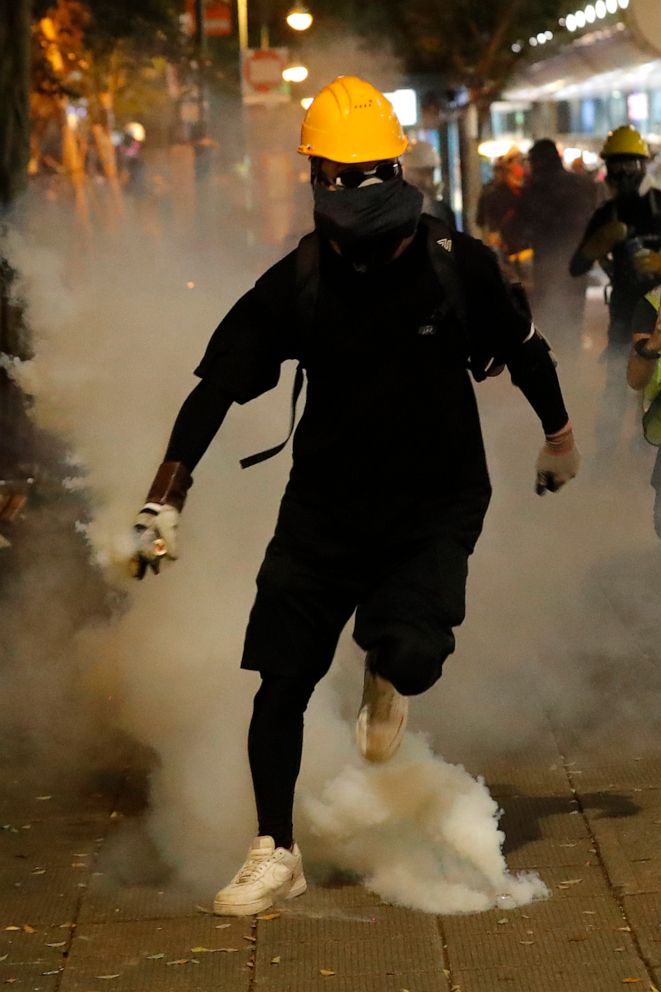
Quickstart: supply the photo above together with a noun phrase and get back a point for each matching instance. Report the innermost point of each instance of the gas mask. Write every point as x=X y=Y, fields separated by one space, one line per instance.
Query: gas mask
x=624 y=175
x=368 y=222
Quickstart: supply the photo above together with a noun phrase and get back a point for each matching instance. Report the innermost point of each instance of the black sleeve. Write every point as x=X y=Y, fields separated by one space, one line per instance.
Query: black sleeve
x=579 y=264
x=502 y=332
x=246 y=350
x=644 y=317
x=197 y=423
x=533 y=371
x=497 y=320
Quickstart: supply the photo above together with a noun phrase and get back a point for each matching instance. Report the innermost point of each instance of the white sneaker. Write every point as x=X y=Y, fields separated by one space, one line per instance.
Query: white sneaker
x=381 y=719
x=268 y=873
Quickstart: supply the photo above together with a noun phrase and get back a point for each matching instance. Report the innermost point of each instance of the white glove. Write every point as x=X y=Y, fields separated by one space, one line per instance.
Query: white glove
x=155 y=532
x=557 y=462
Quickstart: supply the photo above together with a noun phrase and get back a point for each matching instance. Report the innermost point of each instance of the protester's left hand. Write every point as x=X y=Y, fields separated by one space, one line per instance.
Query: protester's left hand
x=648 y=263
x=558 y=461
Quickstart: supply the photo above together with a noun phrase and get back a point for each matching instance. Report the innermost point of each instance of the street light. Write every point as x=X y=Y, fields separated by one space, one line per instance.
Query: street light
x=295 y=73
x=299 y=17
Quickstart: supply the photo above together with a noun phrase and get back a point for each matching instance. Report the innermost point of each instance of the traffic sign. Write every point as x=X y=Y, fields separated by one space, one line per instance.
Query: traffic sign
x=217 y=19
x=261 y=75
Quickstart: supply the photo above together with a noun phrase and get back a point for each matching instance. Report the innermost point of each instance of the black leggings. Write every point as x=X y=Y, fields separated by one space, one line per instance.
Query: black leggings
x=275 y=745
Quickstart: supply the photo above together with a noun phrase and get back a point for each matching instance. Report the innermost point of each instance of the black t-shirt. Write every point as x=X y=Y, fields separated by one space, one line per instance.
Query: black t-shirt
x=389 y=404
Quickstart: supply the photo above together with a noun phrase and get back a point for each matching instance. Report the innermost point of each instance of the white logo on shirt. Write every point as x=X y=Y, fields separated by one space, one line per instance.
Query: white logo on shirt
x=426 y=330
x=445 y=243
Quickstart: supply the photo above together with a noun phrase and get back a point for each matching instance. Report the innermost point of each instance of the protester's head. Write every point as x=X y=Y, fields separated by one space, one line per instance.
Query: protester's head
x=515 y=167
x=626 y=156
x=544 y=158
x=420 y=162
x=354 y=141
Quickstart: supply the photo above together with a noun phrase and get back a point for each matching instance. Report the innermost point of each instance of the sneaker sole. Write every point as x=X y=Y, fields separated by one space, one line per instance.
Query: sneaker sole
x=259 y=905
x=372 y=750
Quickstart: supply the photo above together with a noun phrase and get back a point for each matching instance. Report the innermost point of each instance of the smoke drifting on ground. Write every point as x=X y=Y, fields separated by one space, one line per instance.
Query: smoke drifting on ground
x=561 y=599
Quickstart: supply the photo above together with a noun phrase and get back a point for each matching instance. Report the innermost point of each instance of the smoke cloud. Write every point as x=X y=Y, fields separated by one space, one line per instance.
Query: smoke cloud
x=561 y=590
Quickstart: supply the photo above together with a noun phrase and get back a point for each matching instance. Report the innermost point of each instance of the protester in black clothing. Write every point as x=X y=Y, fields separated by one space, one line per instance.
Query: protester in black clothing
x=385 y=310
x=624 y=236
x=643 y=368
x=555 y=206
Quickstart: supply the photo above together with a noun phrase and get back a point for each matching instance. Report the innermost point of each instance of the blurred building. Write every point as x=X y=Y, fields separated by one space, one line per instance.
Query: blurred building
x=600 y=69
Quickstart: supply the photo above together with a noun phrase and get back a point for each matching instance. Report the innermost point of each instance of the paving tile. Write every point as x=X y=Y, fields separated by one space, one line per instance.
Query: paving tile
x=378 y=923
x=644 y=915
x=627 y=873
x=556 y=976
x=59 y=842
x=328 y=900
x=32 y=977
x=516 y=947
x=44 y=945
x=578 y=915
x=551 y=853
x=105 y=900
x=591 y=774
x=405 y=955
x=524 y=778
x=567 y=883
x=39 y=899
x=132 y=952
x=417 y=981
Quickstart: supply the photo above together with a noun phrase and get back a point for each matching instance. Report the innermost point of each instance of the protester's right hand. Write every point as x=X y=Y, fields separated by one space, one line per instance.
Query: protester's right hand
x=155 y=538
x=604 y=238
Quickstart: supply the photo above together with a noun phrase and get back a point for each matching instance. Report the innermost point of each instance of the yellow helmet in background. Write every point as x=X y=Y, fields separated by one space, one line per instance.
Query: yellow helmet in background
x=351 y=121
x=625 y=140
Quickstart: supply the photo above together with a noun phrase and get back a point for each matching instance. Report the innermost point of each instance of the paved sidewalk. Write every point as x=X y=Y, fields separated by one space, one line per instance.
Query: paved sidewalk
x=588 y=822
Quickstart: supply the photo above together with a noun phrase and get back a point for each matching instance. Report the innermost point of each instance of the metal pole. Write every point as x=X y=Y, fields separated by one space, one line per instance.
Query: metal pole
x=200 y=53
x=242 y=17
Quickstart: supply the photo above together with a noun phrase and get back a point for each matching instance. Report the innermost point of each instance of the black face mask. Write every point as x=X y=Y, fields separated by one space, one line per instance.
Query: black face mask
x=625 y=179
x=368 y=223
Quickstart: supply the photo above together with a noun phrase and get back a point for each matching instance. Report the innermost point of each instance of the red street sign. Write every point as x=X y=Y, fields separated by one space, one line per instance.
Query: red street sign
x=217 y=19
x=262 y=68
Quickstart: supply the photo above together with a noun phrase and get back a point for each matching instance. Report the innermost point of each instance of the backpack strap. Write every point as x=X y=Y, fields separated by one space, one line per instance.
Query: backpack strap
x=440 y=248
x=307 y=289
x=262 y=456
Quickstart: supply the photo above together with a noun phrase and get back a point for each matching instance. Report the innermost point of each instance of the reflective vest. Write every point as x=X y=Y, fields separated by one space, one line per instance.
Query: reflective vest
x=652 y=391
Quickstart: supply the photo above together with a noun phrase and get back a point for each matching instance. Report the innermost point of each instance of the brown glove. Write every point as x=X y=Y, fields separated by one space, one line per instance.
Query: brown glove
x=603 y=239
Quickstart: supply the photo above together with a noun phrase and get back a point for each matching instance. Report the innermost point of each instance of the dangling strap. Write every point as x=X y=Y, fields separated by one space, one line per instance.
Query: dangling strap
x=262 y=456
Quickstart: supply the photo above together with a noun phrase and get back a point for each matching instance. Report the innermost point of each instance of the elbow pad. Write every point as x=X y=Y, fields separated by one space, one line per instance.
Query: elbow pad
x=532 y=354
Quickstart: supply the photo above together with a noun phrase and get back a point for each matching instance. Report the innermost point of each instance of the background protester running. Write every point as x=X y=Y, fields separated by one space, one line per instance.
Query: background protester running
x=624 y=237
x=385 y=309
x=499 y=217
x=644 y=375
x=555 y=206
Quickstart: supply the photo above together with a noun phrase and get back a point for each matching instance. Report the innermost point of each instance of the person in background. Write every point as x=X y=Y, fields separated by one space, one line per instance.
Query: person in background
x=644 y=371
x=499 y=217
x=132 y=163
x=555 y=206
x=420 y=163
x=389 y=484
x=624 y=237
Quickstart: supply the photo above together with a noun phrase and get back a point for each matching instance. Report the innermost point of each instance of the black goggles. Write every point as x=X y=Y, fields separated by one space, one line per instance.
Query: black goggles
x=354 y=178
x=626 y=167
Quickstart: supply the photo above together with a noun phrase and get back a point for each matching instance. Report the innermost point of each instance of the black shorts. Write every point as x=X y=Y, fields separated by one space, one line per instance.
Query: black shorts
x=406 y=582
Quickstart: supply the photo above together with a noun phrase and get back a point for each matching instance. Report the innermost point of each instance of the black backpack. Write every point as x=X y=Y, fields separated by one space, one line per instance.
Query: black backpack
x=451 y=278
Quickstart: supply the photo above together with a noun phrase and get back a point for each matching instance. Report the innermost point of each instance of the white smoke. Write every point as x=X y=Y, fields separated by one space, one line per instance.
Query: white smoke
x=116 y=333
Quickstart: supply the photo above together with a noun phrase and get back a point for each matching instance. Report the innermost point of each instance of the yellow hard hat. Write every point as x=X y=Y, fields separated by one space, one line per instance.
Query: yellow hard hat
x=625 y=140
x=351 y=121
